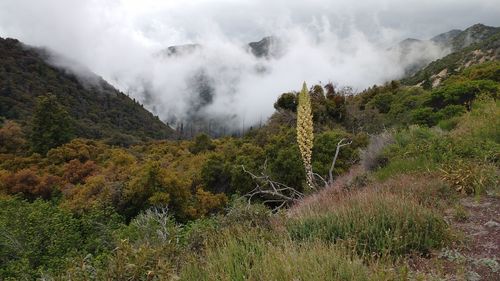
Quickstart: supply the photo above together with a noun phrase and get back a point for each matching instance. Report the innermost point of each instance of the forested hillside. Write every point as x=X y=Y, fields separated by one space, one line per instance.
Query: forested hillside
x=97 y=109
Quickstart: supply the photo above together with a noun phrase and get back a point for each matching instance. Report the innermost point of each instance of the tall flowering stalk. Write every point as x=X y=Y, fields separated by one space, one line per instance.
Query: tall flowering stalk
x=305 y=135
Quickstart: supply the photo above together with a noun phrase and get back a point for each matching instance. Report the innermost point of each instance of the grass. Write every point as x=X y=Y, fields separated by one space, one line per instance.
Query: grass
x=405 y=166
x=375 y=223
x=252 y=257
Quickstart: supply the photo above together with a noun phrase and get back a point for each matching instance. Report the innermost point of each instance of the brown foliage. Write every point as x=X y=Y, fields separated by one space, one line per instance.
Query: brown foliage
x=28 y=183
x=96 y=192
x=11 y=138
x=80 y=149
x=76 y=172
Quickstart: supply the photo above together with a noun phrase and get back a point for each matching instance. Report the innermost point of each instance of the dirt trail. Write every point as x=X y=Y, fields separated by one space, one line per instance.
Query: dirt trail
x=477 y=257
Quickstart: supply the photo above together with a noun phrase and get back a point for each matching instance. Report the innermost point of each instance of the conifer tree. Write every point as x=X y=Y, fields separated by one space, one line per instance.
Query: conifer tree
x=51 y=125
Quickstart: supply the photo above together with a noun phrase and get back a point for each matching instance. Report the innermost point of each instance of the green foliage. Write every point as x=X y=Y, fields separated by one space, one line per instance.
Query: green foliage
x=216 y=174
x=400 y=106
x=284 y=163
x=460 y=93
x=98 y=227
x=423 y=116
x=325 y=146
x=35 y=237
x=51 y=125
x=485 y=71
x=202 y=143
x=466 y=156
x=287 y=101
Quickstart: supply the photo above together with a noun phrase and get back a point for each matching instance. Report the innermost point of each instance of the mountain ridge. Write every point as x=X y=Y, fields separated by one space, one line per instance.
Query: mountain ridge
x=99 y=110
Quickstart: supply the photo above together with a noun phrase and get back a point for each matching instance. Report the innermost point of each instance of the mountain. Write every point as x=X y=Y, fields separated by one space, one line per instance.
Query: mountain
x=180 y=50
x=268 y=47
x=472 y=35
x=415 y=54
x=99 y=110
x=476 y=44
x=446 y=38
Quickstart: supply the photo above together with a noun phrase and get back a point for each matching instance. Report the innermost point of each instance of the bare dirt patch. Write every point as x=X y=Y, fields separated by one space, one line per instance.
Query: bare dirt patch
x=476 y=256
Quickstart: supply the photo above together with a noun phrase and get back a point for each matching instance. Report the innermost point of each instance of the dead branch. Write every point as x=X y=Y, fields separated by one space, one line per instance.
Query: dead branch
x=340 y=144
x=323 y=181
x=272 y=191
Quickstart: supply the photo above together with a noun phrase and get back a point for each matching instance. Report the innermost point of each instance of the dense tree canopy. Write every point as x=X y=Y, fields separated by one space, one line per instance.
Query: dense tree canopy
x=51 y=125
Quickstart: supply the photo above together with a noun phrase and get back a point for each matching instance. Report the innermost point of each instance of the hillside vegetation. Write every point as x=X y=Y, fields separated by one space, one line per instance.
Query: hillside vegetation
x=97 y=109
x=170 y=210
x=475 y=45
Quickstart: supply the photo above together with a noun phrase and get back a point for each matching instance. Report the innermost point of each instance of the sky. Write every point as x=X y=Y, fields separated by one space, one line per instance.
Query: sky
x=344 y=42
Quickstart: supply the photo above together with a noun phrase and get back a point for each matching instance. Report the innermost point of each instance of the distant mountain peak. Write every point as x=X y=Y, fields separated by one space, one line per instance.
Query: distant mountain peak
x=269 y=46
x=185 y=49
x=446 y=37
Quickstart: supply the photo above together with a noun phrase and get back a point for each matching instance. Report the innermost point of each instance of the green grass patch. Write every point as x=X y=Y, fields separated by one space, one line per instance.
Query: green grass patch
x=400 y=166
x=375 y=223
x=253 y=257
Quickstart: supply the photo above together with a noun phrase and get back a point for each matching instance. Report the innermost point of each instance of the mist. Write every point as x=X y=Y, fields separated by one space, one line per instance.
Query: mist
x=349 y=44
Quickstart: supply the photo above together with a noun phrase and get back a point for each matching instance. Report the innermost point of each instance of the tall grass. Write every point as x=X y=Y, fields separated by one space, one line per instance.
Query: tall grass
x=405 y=166
x=375 y=223
x=251 y=257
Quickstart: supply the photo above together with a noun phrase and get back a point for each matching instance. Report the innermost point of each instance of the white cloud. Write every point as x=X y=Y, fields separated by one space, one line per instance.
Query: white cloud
x=341 y=41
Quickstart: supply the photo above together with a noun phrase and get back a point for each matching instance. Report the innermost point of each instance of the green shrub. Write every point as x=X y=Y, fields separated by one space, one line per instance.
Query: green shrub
x=423 y=116
x=471 y=178
x=35 y=237
x=448 y=124
x=325 y=145
x=202 y=143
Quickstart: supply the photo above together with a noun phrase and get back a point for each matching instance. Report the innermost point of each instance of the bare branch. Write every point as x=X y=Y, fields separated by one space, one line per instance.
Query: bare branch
x=317 y=176
x=340 y=144
x=272 y=191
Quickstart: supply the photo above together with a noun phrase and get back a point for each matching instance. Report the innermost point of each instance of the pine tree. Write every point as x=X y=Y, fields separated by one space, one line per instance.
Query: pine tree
x=51 y=125
x=305 y=135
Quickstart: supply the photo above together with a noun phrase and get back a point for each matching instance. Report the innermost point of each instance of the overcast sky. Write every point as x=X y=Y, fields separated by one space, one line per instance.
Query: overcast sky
x=339 y=41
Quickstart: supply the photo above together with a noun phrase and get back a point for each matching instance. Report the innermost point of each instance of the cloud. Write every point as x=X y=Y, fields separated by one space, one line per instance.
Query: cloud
x=339 y=41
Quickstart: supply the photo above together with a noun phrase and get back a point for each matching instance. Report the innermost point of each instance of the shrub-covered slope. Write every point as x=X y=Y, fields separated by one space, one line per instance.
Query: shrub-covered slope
x=474 y=45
